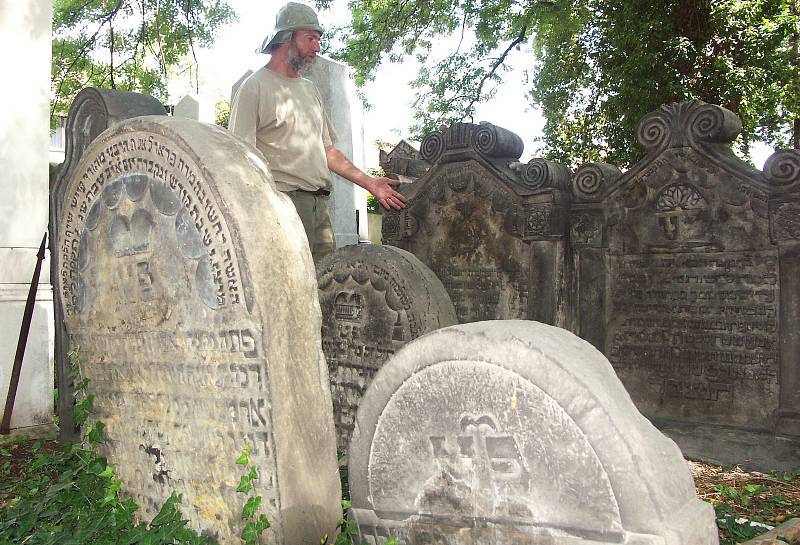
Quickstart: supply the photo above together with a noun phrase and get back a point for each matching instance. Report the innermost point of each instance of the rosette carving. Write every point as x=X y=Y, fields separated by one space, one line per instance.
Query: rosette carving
x=541 y=173
x=783 y=169
x=687 y=123
x=591 y=178
x=497 y=142
x=432 y=146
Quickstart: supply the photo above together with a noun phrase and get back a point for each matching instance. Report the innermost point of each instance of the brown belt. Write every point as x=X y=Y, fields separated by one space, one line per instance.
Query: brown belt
x=317 y=193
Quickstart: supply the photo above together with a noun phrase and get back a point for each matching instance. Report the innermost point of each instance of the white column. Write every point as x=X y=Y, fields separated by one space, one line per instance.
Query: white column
x=332 y=80
x=25 y=39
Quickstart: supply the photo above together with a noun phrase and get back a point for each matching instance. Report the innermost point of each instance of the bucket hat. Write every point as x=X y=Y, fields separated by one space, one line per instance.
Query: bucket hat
x=293 y=16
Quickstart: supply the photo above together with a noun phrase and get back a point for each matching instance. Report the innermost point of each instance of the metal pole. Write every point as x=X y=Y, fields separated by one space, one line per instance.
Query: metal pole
x=5 y=425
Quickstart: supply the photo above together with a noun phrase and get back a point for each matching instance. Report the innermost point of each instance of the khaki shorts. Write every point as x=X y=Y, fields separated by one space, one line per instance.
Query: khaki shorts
x=313 y=212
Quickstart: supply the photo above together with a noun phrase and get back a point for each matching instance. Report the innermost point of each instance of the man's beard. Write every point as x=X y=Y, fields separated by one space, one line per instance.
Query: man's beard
x=301 y=66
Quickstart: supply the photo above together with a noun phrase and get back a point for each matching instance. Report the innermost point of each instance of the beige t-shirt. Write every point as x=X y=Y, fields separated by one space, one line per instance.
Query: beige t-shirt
x=285 y=119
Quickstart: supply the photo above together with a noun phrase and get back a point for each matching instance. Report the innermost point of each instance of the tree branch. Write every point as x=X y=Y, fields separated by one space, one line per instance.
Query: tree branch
x=497 y=63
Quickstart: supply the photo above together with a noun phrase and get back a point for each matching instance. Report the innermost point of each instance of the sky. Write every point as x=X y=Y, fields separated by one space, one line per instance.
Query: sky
x=390 y=115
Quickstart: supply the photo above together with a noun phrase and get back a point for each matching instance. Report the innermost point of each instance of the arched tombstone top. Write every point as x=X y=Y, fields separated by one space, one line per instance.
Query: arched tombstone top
x=94 y=110
x=512 y=431
x=188 y=287
x=374 y=300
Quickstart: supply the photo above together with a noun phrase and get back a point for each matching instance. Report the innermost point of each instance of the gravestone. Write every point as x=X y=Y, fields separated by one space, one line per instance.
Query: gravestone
x=687 y=279
x=404 y=162
x=374 y=299
x=187 y=107
x=508 y=432
x=92 y=111
x=197 y=323
x=492 y=230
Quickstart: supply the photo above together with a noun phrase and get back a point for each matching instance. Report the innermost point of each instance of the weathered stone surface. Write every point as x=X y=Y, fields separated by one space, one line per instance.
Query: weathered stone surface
x=687 y=279
x=510 y=432
x=92 y=111
x=787 y=533
x=374 y=299
x=480 y=220
x=403 y=160
x=198 y=325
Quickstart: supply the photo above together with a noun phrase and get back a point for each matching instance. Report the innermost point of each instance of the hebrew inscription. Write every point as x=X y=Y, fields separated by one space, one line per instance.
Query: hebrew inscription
x=696 y=333
x=167 y=322
x=374 y=300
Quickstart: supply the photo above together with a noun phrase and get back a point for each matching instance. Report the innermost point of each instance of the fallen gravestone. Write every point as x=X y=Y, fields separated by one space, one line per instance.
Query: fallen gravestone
x=510 y=432
x=197 y=323
x=687 y=280
x=493 y=230
x=374 y=299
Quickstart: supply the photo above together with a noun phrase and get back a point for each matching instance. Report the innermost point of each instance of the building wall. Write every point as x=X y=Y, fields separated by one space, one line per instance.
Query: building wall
x=25 y=29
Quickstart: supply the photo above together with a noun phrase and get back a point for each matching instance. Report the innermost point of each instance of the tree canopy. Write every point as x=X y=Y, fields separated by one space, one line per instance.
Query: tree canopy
x=127 y=44
x=594 y=67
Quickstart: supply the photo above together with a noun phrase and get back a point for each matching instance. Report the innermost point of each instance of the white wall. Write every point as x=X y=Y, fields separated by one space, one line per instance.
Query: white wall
x=25 y=39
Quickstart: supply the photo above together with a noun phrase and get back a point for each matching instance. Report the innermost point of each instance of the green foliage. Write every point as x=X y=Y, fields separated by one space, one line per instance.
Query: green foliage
x=127 y=44
x=595 y=67
x=373 y=206
x=255 y=523
x=759 y=499
x=71 y=496
x=222 y=113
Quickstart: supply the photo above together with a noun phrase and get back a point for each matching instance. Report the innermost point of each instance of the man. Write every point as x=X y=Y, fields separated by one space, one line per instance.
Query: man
x=282 y=115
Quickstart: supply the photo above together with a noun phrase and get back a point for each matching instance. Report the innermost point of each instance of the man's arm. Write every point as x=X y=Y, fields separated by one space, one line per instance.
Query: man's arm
x=381 y=186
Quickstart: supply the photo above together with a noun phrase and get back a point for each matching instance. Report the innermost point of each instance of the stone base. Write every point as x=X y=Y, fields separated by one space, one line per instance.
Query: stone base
x=47 y=432
x=753 y=450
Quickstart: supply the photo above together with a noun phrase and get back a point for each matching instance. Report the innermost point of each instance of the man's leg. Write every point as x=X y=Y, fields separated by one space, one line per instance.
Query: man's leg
x=324 y=238
x=313 y=212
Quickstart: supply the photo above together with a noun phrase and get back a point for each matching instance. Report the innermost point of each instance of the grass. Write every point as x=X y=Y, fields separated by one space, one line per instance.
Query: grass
x=66 y=494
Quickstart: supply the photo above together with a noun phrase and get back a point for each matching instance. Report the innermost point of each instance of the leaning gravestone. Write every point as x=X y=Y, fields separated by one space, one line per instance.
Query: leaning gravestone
x=93 y=111
x=687 y=276
x=374 y=299
x=508 y=432
x=494 y=231
x=198 y=326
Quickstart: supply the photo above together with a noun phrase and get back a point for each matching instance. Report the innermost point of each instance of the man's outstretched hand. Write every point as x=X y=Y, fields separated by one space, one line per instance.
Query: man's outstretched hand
x=381 y=188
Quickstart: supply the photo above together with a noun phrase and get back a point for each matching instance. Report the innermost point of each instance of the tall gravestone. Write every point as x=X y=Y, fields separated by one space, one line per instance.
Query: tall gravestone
x=493 y=230
x=374 y=299
x=509 y=432
x=197 y=323
x=687 y=272
x=92 y=111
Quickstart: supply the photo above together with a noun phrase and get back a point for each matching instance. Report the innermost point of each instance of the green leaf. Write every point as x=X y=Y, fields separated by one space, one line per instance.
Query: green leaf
x=250 y=508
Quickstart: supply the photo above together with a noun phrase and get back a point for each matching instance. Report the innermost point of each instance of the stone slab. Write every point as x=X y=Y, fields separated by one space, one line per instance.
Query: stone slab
x=197 y=322
x=480 y=220
x=508 y=432
x=687 y=274
x=347 y=199
x=374 y=300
